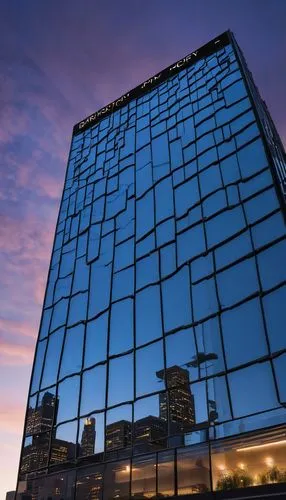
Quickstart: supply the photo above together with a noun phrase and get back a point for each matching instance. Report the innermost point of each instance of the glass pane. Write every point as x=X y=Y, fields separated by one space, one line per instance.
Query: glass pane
x=117 y=480
x=59 y=316
x=93 y=390
x=46 y=410
x=121 y=327
x=271 y=264
x=120 y=383
x=148 y=315
x=91 y=435
x=193 y=470
x=252 y=390
x=73 y=351
x=144 y=477
x=96 y=341
x=204 y=299
x=52 y=360
x=274 y=309
x=63 y=446
x=68 y=394
x=31 y=423
x=150 y=424
x=243 y=333
x=237 y=463
x=78 y=308
x=147 y=270
x=280 y=370
x=176 y=300
x=244 y=276
x=118 y=431
x=89 y=484
x=35 y=452
x=150 y=380
x=210 y=355
x=38 y=365
x=165 y=472
x=218 y=400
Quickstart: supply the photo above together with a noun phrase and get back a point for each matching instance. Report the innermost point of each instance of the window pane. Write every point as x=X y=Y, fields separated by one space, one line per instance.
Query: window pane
x=274 y=309
x=116 y=480
x=52 y=360
x=148 y=315
x=120 y=384
x=72 y=353
x=63 y=446
x=121 y=327
x=118 y=431
x=271 y=265
x=252 y=390
x=210 y=355
x=193 y=470
x=181 y=352
x=244 y=276
x=243 y=333
x=38 y=366
x=89 y=483
x=280 y=370
x=96 y=341
x=93 y=390
x=150 y=380
x=150 y=424
x=176 y=300
x=68 y=394
x=165 y=471
x=204 y=299
x=91 y=435
x=144 y=476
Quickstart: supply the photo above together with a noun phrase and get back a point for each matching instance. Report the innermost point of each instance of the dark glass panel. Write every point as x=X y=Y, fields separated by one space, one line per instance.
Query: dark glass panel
x=78 y=308
x=243 y=333
x=144 y=214
x=274 y=309
x=120 y=382
x=124 y=255
x=93 y=390
x=186 y=196
x=68 y=394
x=35 y=452
x=52 y=360
x=149 y=369
x=164 y=199
x=244 y=275
x=118 y=431
x=224 y=226
x=45 y=324
x=38 y=366
x=143 y=477
x=63 y=447
x=271 y=264
x=280 y=370
x=198 y=391
x=73 y=351
x=176 y=300
x=148 y=315
x=96 y=340
x=268 y=230
x=121 y=327
x=252 y=158
x=89 y=483
x=81 y=275
x=252 y=390
x=204 y=299
x=218 y=400
x=165 y=232
x=166 y=474
x=147 y=270
x=59 y=316
x=150 y=424
x=193 y=474
x=210 y=356
x=31 y=422
x=202 y=267
x=181 y=353
x=233 y=250
x=123 y=284
x=117 y=480
x=91 y=435
x=190 y=243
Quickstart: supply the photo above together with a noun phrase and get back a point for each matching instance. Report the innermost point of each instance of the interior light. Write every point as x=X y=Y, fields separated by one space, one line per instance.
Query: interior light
x=127 y=468
x=241 y=466
x=221 y=467
x=266 y=445
x=269 y=461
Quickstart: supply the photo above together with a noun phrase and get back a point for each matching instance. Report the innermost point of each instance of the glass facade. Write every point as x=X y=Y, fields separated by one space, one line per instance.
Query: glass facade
x=161 y=358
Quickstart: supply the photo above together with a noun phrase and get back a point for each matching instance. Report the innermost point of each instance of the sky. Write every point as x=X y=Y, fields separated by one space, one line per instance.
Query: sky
x=59 y=62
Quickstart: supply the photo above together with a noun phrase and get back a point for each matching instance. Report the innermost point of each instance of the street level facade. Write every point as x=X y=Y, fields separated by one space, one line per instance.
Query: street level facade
x=160 y=363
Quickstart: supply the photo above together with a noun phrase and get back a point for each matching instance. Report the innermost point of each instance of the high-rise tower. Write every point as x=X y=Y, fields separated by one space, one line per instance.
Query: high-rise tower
x=162 y=352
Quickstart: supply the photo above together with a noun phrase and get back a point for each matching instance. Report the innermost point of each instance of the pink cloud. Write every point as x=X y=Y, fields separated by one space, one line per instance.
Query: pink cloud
x=11 y=354
x=10 y=326
x=12 y=418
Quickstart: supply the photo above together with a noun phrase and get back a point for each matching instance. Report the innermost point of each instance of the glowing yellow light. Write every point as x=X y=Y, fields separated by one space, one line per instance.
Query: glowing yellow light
x=127 y=468
x=269 y=461
x=241 y=466
x=266 y=445
x=221 y=467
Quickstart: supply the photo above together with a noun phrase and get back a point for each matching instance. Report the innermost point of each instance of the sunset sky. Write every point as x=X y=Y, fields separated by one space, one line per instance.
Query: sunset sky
x=61 y=60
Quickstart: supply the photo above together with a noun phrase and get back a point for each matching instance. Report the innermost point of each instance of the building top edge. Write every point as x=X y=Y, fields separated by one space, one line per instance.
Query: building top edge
x=141 y=89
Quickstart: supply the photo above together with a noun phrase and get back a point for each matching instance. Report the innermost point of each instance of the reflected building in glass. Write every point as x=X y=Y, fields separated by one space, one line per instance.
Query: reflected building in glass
x=160 y=363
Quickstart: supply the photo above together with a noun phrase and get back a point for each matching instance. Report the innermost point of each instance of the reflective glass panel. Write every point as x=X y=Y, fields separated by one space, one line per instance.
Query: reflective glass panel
x=91 y=435
x=120 y=381
x=143 y=476
x=93 y=390
x=193 y=473
x=68 y=394
x=149 y=379
x=96 y=340
x=73 y=351
x=121 y=327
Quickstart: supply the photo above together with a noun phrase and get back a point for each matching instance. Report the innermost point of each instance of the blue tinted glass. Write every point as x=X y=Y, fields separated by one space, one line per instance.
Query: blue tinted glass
x=252 y=390
x=96 y=340
x=243 y=334
x=237 y=282
x=224 y=226
x=268 y=230
x=38 y=365
x=121 y=327
x=252 y=158
x=280 y=370
x=120 y=381
x=68 y=395
x=93 y=390
x=234 y=250
x=274 y=309
x=73 y=351
x=51 y=367
x=147 y=270
x=176 y=300
x=151 y=380
x=204 y=299
x=271 y=264
x=210 y=358
x=190 y=243
x=148 y=315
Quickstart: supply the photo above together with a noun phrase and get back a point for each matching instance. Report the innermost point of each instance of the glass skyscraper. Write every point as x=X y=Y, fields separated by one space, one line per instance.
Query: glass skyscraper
x=161 y=358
